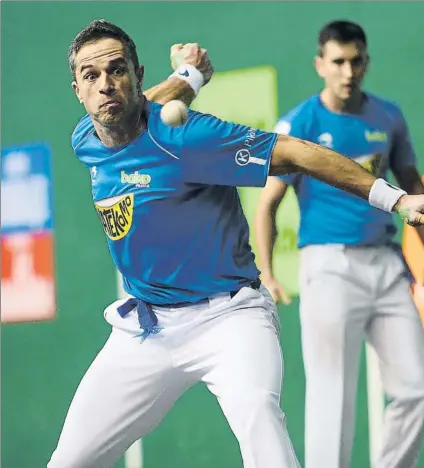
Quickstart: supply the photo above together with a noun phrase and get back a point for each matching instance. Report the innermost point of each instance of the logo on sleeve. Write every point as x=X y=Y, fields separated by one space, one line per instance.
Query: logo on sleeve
x=242 y=157
x=116 y=215
x=93 y=174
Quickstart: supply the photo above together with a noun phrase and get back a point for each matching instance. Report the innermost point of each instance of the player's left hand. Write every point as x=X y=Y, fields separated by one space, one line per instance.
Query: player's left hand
x=411 y=209
x=192 y=54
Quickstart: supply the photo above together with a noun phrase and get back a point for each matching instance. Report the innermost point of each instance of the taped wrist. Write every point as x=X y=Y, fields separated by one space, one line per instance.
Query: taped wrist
x=384 y=195
x=191 y=75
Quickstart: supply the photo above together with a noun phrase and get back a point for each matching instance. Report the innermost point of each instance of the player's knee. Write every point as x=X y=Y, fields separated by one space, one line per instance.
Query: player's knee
x=418 y=405
x=257 y=407
x=264 y=401
x=410 y=389
x=412 y=408
x=410 y=400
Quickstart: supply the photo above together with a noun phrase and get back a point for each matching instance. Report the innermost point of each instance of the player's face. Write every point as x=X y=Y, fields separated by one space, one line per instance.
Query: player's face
x=106 y=81
x=343 y=67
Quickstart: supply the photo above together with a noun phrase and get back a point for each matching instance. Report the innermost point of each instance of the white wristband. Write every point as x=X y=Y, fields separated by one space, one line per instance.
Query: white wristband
x=190 y=74
x=384 y=195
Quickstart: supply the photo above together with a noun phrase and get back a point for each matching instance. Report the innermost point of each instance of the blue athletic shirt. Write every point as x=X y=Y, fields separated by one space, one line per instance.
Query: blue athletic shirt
x=377 y=138
x=169 y=205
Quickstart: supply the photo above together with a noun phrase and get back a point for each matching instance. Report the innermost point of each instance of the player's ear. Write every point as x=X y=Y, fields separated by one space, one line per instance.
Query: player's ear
x=76 y=89
x=140 y=77
x=318 y=65
x=367 y=63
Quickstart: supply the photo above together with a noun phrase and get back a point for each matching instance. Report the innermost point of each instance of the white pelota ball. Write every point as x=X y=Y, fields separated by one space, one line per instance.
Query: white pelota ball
x=174 y=113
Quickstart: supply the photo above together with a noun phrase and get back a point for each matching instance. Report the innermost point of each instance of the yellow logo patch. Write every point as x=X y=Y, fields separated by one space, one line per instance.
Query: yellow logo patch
x=376 y=136
x=372 y=163
x=117 y=217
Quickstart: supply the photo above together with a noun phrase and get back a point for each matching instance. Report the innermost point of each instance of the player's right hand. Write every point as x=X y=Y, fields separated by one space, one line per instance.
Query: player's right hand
x=276 y=290
x=411 y=209
x=192 y=54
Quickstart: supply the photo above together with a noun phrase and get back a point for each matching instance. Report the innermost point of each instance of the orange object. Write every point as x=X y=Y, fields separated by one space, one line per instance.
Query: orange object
x=27 y=278
x=413 y=250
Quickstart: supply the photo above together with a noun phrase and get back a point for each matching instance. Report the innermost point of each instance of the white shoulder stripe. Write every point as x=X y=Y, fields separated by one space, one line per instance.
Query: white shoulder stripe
x=161 y=147
x=259 y=161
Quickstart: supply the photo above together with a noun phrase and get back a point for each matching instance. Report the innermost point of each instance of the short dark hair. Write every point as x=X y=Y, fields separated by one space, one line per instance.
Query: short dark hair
x=96 y=30
x=342 y=32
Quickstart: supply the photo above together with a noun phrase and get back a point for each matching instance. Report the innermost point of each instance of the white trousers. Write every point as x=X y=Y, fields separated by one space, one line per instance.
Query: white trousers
x=348 y=294
x=231 y=345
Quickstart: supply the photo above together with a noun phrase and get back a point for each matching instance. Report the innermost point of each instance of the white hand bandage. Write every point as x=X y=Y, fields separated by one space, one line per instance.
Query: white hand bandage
x=190 y=74
x=384 y=195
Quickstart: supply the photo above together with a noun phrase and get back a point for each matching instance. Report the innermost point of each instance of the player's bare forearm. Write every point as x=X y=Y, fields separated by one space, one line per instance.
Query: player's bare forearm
x=172 y=88
x=265 y=223
x=292 y=155
x=265 y=234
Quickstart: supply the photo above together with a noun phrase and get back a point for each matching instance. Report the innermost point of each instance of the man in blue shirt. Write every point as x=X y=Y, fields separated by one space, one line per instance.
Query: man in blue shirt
x=195 y=310
x=353 y=283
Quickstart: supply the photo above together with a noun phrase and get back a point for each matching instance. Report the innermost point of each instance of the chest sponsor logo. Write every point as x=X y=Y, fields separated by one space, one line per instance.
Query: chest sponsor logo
x=377 y=136
x=139 y=180
x=116 y=215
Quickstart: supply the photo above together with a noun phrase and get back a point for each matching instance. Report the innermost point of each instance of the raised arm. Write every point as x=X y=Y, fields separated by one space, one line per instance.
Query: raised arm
x=196 y=68
x=171 y=89
x=235 y=155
